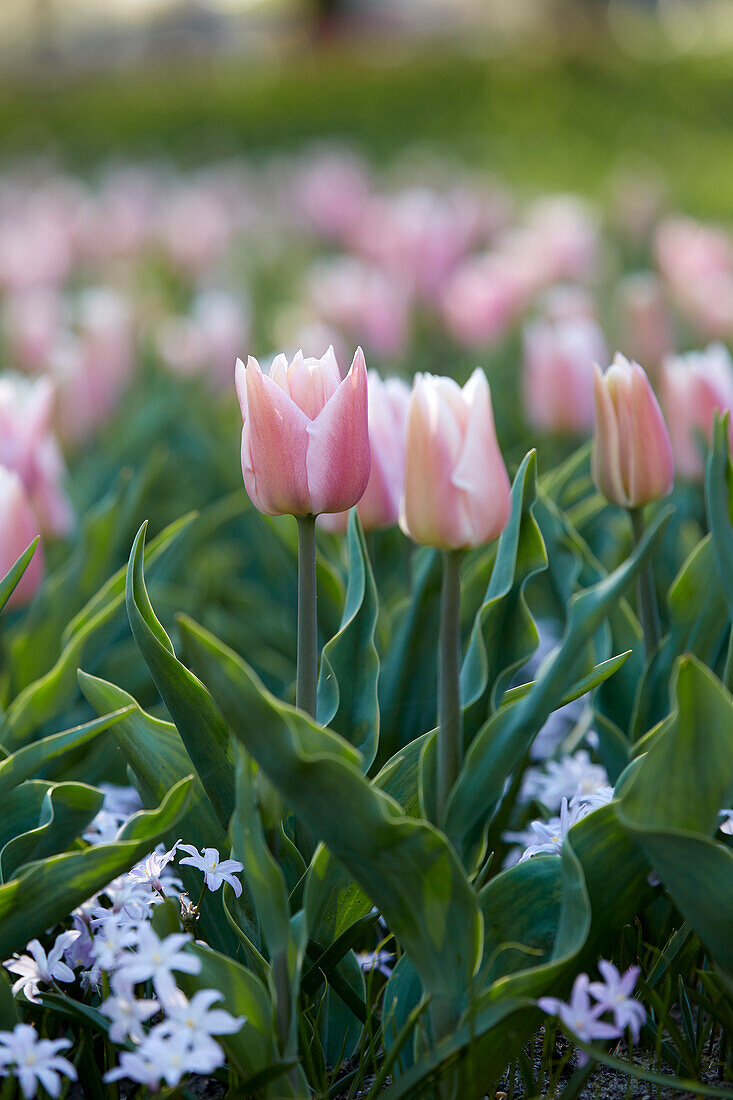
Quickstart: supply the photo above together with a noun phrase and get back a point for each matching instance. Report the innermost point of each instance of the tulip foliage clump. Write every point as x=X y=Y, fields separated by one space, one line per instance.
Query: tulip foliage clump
x=356 y=805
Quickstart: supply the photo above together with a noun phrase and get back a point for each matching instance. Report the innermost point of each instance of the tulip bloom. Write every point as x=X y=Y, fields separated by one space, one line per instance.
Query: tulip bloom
x=380 y=505
x=694 y=386
x=18 y=528
x=632 y=460
x=456 y=484
x=305 y=440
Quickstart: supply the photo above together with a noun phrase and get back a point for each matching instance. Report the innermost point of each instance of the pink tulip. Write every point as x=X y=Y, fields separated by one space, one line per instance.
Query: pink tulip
x=380 y=505
x=205 y=340
x=364 y=302
x=305 y=440
x=28 y=447
x=645 y=320
x=332 y=191
x=693 y=387
x=558 y=374
x=484 y=297
x=632 y=460
x=18 y=528
x=456 y=484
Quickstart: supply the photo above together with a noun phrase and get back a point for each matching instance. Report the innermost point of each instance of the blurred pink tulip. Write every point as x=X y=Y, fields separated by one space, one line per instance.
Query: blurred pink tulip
x=697 y=264
x=29 y=448
x=380 y=506
x=33 y=321
x=457 y=491
x=418 y=236
x=645 y=321
x=484 y=297
x=305 y=439
x=205 y=341
x=567 y=235
x=364 y=302
x=558 y=374
x=632 y=461
x=195 y=228
x=332 y=190
x=93 y=365
x=18 y=528
x=693 y=387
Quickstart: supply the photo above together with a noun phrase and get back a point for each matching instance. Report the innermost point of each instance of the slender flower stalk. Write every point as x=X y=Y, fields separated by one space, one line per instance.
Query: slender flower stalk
x=646 y=595
x=450 y=716
x=307 y=667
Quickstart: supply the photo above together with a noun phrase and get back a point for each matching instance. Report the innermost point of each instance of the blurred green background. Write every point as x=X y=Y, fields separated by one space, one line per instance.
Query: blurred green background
x=568 y=95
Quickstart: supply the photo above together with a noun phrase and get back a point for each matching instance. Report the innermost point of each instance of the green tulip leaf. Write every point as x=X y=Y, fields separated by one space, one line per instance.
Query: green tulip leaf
x=404 y=865
x=504 y=635
x=198 y=720
x=670 y=804
x=10 y=581
x=43 y=698
x=347 y=683
x=505 y=738
x=48 y=890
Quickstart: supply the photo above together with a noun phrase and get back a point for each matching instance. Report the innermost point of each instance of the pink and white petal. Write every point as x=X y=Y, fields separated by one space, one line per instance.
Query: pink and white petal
x=339 y=455
x=277 y=443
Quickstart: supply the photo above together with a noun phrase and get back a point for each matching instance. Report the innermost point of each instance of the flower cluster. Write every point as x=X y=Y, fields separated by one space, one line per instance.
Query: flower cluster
x=581 y=1015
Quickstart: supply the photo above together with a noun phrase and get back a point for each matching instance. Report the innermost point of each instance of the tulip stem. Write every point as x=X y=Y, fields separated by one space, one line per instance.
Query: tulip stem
x=450 y=716
x=645 y=591
x=307 y=675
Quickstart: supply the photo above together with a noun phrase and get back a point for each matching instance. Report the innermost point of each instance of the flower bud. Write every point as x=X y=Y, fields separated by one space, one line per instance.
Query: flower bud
x=694 y=386
x=632 y=456
x=18 y=528
x=456 y=484
x=305 y=440
x=380 y=505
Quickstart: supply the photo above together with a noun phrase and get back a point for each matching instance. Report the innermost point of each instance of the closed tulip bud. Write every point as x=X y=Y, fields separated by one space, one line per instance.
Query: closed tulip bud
x=380 y=505
x=694 y=386
x=632 y=455
x=18 y=528
x=305 y=440
x=456 y=484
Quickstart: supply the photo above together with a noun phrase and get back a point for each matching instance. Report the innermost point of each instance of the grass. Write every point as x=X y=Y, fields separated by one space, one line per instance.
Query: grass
x=545 y=119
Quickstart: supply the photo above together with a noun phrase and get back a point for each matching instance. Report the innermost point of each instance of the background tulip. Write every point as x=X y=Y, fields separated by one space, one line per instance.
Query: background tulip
x=632 y=455
x=305 y=440
x=456 y=483
x=693 y=387
x=29 y=447
x=380 y=505
x=18 y=528
x=558 y=373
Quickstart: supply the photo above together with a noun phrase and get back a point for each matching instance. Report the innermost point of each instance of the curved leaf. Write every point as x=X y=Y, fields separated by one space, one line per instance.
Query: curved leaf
x=66 y=811
x=10 y=581
x=504 y=635
x=670 y=804
x=47 y=891
x=39 y=701
x=27 y=761
x=347 y=683
x=505 y=738
x=198 y=720
x=404 y=865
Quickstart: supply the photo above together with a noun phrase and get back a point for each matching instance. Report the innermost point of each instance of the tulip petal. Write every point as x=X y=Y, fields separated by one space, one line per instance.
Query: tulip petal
x=480 y=474
x=606 y=458
x=338 y=456
x=431 y=509
x=274 y=448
